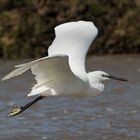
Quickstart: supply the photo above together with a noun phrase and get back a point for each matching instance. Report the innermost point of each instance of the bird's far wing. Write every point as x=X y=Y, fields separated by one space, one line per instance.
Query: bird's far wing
x=74 y=40
x=50 y=72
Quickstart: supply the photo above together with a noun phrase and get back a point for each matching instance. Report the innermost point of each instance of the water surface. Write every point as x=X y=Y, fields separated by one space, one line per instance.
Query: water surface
x=115 y=115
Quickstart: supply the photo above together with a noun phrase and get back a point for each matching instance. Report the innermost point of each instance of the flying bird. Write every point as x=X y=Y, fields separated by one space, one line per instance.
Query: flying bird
x=63 y=72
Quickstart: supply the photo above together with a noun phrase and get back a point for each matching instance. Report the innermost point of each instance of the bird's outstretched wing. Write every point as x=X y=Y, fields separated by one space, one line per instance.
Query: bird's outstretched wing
x=74 y=40
x=50 y=72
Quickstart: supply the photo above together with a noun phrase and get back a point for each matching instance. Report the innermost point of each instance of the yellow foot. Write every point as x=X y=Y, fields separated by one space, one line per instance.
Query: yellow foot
x=16 y=110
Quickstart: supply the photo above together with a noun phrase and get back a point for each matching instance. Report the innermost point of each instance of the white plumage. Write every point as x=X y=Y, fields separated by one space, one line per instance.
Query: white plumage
x=74 y=40
x=63 y=72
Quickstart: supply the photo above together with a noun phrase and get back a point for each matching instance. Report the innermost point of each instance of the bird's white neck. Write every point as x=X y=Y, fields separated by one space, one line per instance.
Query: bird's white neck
x=95 y=83
x=98 y=86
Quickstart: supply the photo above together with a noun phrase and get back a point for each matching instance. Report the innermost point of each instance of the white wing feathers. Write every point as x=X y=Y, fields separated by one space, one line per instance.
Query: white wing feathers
x=21 y=69
x=16 y=72
x=74 y=39
x=50 y=72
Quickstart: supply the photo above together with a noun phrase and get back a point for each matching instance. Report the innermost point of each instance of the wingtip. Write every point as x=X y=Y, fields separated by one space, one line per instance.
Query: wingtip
x=4 y=78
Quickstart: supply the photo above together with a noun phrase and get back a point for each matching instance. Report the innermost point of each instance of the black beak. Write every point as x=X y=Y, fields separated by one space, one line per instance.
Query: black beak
x=116 y=78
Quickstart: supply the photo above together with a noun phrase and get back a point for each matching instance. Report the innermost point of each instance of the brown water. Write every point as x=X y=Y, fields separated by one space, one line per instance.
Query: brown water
x=115 y=115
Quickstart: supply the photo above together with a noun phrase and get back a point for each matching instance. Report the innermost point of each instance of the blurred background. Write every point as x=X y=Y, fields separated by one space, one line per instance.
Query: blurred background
x=27 y=26
x=27 y=30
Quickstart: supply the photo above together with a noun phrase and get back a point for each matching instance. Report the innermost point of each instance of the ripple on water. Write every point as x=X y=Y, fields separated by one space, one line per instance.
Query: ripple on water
x=114 y=115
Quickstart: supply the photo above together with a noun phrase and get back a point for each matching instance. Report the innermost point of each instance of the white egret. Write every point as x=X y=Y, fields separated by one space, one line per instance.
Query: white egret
x=63 y=72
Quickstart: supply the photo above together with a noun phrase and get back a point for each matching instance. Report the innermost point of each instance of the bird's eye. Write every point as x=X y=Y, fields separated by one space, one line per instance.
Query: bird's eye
x=104 y=75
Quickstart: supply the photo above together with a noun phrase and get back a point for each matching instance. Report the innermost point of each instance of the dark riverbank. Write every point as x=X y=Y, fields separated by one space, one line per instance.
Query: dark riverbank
x=26 y=27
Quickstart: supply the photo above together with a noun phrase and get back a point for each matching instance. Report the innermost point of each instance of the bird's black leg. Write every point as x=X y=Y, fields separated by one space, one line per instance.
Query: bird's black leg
x=17 y=109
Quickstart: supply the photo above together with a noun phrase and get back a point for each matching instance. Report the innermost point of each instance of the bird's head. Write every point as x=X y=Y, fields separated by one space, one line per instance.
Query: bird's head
x=101 y=76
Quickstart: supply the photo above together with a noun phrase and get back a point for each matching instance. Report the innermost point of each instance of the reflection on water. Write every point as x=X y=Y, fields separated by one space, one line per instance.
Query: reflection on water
x=115 y=115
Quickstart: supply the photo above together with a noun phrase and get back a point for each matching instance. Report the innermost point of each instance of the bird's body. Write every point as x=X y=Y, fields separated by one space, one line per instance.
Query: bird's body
x=63 y=72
